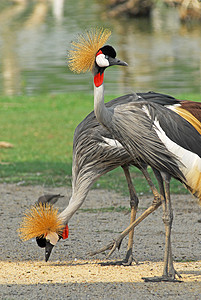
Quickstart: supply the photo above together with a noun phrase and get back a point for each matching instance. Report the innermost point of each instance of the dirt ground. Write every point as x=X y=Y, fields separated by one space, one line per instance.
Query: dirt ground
x=72 y=274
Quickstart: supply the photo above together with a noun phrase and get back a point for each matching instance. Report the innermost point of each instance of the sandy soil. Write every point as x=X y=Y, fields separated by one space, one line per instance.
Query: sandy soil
x=72 y=274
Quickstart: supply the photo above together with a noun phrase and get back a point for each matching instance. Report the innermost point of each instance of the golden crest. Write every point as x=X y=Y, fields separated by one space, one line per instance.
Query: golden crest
x=82 y=55
x=39 y=221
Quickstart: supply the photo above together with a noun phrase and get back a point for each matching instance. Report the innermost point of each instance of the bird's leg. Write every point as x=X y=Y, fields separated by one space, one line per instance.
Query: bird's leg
x=168 y=270
x=157 y=196
x=159 y=178
x=134 y=205
x=116 y=243
x=162 y=192
x=172 y=272
x=167 y=220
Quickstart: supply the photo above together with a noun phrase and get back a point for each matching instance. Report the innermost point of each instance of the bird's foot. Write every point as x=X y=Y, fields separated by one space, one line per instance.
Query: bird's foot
x=171 y=277
x=111 y=246
x=101 y=250
x=172 y=272
x=161 y=278
x=129 y=259
x=125 y=262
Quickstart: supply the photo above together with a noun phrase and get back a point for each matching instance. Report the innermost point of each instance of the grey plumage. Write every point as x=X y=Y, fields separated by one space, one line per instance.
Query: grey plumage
x=138 y=128
x=137 y=133
x=149 y=133
x=95 y=152
x=92 y=153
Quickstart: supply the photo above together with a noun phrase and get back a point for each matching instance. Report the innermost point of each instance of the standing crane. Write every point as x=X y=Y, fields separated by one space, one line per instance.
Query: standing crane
x=95 y=152
x=149 y=132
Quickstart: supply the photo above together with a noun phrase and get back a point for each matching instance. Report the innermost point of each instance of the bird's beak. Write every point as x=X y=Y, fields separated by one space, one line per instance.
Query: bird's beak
x=48 y=250
x=116 y=61
x=51 y=240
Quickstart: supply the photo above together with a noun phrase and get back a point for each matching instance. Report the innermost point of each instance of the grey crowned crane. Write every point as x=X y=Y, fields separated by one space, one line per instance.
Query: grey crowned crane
x=95 y=153
x=153 y=134
x=105 y=140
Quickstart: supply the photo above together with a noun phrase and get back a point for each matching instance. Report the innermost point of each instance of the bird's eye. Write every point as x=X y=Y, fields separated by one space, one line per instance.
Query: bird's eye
x=106 y=56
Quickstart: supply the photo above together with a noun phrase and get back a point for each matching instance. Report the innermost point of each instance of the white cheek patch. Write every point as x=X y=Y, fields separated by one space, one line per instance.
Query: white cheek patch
x=102 y=61
x=52 y=237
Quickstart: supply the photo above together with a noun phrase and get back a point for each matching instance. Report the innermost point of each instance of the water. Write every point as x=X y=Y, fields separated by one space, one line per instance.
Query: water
x=163 y=54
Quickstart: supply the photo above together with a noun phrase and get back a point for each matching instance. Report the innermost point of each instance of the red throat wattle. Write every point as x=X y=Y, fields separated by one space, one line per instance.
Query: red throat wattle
x=98 y=79
x=65 y=233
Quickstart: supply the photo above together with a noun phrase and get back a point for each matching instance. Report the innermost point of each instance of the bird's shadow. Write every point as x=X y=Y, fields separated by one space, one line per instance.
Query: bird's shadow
x=118 y=263
x=71 y=263
x=191 y=272
x=82 y=263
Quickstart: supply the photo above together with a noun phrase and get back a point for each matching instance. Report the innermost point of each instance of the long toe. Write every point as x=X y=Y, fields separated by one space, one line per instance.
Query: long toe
x=173 y=273
x=129 y=259
x=116 y=263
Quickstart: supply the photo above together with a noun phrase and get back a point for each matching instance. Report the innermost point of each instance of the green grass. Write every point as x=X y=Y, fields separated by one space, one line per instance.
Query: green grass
x=41 y=129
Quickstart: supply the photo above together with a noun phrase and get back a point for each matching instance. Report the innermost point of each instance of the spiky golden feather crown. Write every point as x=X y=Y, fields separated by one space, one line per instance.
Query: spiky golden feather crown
x=39 y=221
x=82 y=55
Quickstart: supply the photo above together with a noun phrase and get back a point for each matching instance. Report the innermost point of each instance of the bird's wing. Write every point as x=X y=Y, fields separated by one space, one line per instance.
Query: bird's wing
x=95 y=150
x=136 y=131
x=193 y=107
x=153 y=97
x=158 y=98
x=181 y=139
x=176 y=128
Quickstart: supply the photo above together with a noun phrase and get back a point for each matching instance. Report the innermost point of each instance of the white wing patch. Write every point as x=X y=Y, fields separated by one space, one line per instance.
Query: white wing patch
x=173 y=107
x=145 y=109
x=111 y=143
x=190 y=162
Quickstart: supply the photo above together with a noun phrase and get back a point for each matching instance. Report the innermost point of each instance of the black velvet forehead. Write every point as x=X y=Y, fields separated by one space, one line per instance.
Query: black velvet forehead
x=108 y=50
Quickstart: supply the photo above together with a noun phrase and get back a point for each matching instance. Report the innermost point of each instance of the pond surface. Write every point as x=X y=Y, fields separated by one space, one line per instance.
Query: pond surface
x=163 y=54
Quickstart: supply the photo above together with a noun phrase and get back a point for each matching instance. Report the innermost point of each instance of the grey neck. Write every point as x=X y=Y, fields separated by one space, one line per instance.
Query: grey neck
x=103 y=115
